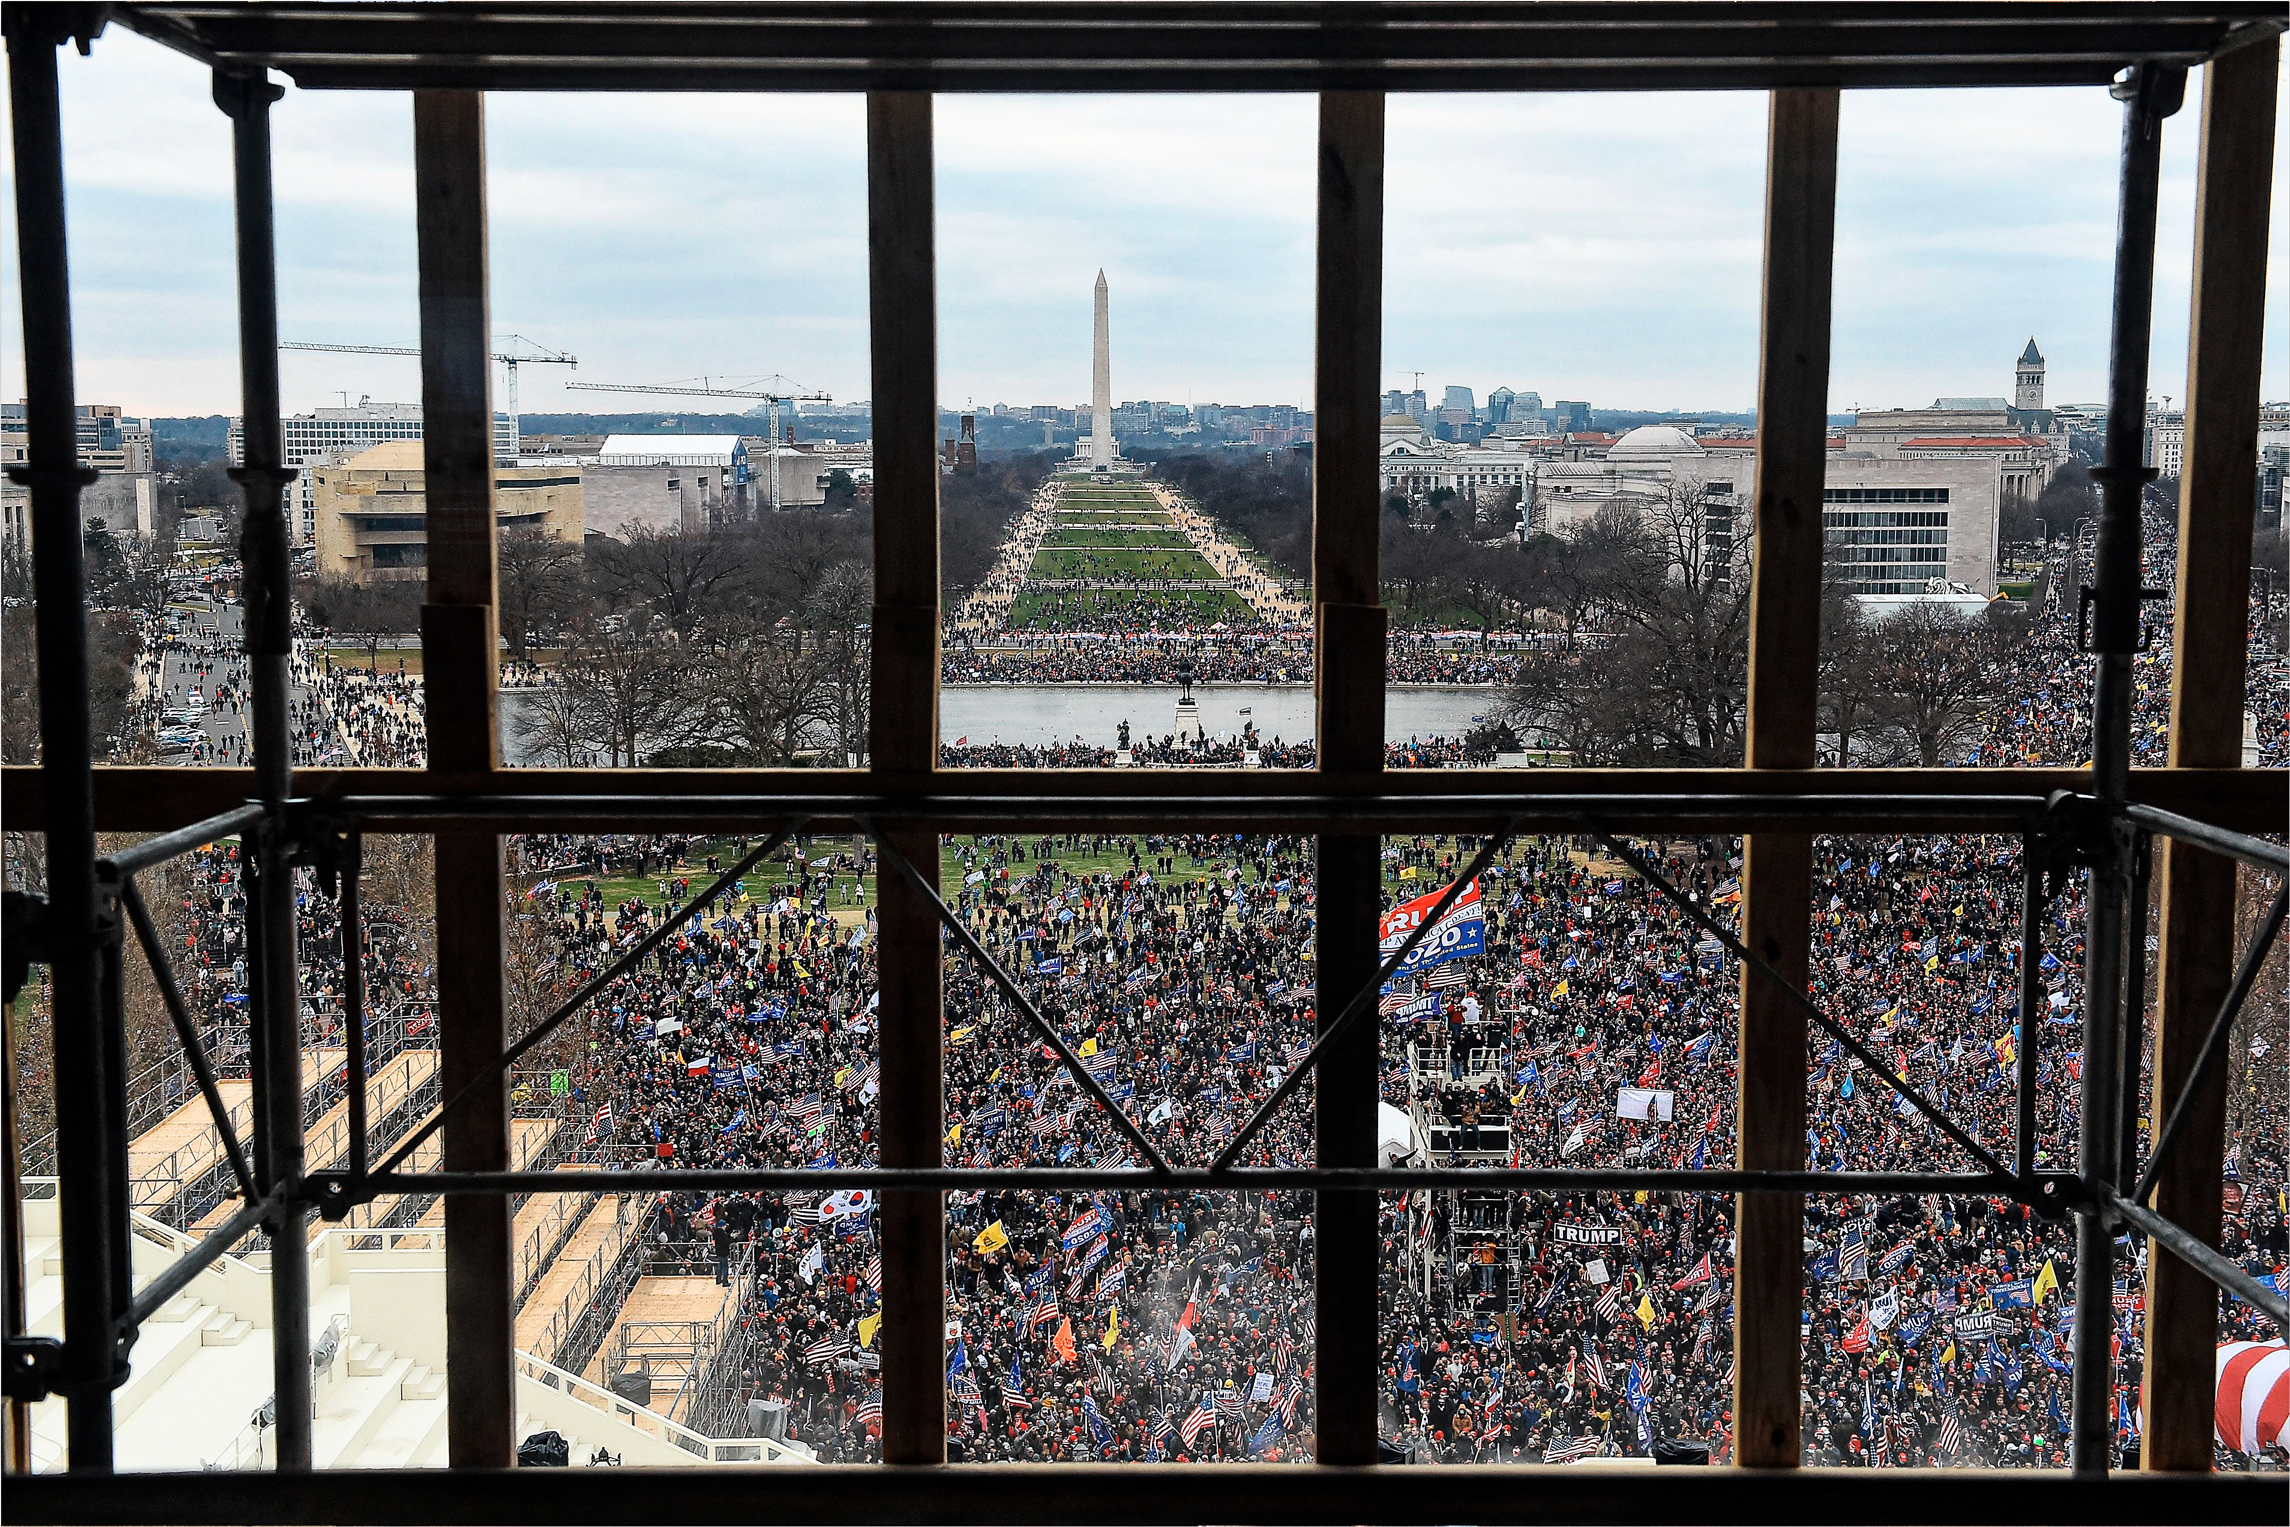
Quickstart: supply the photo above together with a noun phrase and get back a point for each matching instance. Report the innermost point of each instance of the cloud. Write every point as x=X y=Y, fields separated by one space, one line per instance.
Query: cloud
x=1605 y=247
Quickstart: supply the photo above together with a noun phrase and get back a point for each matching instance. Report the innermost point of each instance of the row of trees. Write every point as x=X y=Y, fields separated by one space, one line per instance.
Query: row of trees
x=744 y=644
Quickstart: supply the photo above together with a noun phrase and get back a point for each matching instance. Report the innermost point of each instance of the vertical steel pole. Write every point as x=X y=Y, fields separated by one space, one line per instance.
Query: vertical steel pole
x=2150 y=94
x=91 y=1368
x=265 y=573
x=902 y=744
x=1347 y=601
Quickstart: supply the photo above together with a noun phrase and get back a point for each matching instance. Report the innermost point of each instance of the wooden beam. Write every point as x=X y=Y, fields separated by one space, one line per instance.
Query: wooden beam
x=903 y=743
x=2209 y=658
x=1348 y=677
x=1784 y=653
x=461 y=695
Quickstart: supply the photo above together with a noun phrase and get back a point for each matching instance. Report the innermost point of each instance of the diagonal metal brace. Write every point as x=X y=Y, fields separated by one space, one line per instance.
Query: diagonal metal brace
x=2213 y=1051
x=339 y=1193
x=1363 y=1000
x=187 y=1033
x=1032 y=1014
x=2211 y=1263
x=1810 y=1008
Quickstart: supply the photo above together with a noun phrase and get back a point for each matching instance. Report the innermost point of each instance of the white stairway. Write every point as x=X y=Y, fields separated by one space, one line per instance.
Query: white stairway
x=201 y=1367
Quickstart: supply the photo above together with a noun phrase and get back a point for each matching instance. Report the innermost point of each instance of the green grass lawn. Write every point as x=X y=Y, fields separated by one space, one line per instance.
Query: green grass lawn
x=1111 y=518
x=1065 y=533
x=1084 y=562
x=1084 y=607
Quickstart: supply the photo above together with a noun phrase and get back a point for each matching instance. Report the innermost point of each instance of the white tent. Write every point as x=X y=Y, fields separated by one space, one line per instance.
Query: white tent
x=1395 y=1136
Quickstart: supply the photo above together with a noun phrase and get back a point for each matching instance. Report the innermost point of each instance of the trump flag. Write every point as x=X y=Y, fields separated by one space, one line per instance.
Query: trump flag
x=1461 y=931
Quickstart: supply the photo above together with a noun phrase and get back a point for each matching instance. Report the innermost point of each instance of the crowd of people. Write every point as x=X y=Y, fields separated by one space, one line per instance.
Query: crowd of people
x=1130 y=656
x=1102 y=1325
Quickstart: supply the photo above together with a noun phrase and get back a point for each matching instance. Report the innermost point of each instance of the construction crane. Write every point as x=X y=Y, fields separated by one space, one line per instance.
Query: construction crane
x=707 y=389
x=533 y=353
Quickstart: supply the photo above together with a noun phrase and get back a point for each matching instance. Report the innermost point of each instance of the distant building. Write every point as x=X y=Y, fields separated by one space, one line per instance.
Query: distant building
x=1894 y=524
x=2166 y=442
x=2029 y=441
x=1413 y=467
x=1499 y=405
x=2028 y=379
x=1460 y=397
x=665 y=483
x=333 y=434
x=372 y=515
x=126 y=490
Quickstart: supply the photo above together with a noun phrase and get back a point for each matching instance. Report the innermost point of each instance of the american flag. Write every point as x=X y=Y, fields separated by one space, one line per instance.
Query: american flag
x=859 y=1080
x=1391 y=1002
x=1202 y=1416
x=1045 y=1309
x=1571 y=1449
x=1016 y=1398
x=874 y=1272
x=819 y=1353
x=603 y=1120
x=1162 y=1430
x=1049 y=1123
x=1285 y=1400
x=1951 y=1432
x=870 y=1409
x=1610 y=1302
x=1227 y=1402
x=806 y=1107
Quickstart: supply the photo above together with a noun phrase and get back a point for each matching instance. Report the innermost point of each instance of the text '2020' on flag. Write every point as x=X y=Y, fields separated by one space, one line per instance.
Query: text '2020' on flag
x=1461 y=930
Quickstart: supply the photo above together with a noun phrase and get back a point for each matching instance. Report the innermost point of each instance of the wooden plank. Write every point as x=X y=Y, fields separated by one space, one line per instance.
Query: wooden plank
x=2210 y=658
x=460 y=689
x=1348 y=631
x=1784 y=651
x=903 y=744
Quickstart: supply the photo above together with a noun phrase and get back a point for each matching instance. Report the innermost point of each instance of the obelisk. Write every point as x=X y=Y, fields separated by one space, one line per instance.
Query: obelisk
x=1101 y=452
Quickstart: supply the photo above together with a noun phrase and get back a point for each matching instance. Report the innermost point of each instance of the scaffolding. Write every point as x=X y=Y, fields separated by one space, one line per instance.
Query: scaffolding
x=2099 y=824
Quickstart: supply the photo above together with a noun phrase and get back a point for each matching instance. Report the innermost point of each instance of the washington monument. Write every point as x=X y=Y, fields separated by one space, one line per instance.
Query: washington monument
x=1102 y=452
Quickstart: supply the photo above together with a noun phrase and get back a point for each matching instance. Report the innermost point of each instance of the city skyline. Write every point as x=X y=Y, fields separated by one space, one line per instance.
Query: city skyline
x=1564 y=245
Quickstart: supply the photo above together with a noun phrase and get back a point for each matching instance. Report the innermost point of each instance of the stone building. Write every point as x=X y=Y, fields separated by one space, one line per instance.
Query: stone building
x=372 y=508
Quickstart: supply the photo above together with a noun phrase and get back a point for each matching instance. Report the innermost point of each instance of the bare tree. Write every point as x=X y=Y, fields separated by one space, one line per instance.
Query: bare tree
x=539 y=577
x=624 y=692
x=684 y=577
x=1935 y=673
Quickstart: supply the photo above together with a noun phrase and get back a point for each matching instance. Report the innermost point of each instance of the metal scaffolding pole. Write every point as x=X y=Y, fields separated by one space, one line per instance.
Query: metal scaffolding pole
x=265 y=567
x=2149 y=94
x=93 y=1230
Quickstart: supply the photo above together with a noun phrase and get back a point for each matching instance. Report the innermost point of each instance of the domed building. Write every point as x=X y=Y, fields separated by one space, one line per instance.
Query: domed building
x=1654 y=442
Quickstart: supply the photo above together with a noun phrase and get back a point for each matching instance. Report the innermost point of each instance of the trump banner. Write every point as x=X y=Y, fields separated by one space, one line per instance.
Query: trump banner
x=1461 y=931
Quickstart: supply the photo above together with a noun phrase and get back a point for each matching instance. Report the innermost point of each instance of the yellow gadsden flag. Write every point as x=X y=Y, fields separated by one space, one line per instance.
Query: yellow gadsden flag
x=2047 y=1281
x=868 y=1327
x=1559 y=990
x=1088 y=1047
x=991 y=1239
x=1112 y=1327
x=1646 y=1311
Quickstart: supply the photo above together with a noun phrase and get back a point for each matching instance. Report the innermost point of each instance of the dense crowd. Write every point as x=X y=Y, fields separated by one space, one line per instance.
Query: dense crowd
x=1108 y=1325
x=1133 y=657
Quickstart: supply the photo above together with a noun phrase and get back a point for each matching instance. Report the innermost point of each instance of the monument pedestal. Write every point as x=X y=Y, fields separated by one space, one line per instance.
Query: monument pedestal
x=1188 y=719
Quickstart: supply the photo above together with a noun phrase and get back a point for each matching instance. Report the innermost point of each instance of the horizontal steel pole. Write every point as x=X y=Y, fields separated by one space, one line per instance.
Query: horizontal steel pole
x=197 y=1260
x=2235 y=845
x=2213 y=1265
x=1129 y=1495
x=1237 y=1180
x=152 y=798
x=170 y=845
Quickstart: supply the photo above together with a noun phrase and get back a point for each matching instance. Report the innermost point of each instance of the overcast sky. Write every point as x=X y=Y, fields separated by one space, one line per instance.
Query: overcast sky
x=1581 y=246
